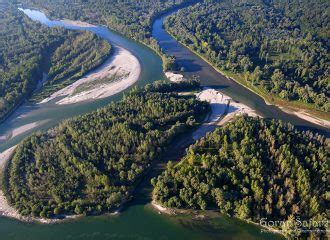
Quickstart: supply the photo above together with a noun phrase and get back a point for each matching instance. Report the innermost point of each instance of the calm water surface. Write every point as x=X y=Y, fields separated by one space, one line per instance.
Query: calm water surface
x=138 y=220
x=194 y=65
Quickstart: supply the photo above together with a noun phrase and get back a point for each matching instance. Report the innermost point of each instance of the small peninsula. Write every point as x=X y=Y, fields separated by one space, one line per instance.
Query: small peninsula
x=252 y=169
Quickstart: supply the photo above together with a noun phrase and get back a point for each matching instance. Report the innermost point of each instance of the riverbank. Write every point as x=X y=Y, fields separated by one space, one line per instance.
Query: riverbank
x=204 y=214
x=174 y=77
x=118 y=73
x=20 y=130
x=223 y=110
x=77 y=23
x=5 y=209
x=293 y=108
x=8 y=211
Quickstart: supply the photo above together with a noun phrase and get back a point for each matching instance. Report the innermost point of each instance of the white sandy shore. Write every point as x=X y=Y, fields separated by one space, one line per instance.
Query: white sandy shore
x=308 y=117
x=122 y=62
x=174 y=77
x=170 y=211
x=223 y=107
x=7 y=210
x=77 y=23
x=223 y=110
x=162 y=209
x=20 y=130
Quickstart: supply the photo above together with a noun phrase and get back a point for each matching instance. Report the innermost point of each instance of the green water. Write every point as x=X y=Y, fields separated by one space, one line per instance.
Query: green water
x=138 y=220
x=52 y=113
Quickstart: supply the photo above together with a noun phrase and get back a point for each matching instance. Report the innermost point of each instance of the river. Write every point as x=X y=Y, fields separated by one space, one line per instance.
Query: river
x=49 y=114
x=138 y=220
x=194 y=65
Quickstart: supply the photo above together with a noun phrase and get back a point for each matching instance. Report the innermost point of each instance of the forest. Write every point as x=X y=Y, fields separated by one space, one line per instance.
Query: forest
x=91 y=164
x=252 y=169
x=276 y=47
x=131 y=18
x=27 y=49
x=72 y=60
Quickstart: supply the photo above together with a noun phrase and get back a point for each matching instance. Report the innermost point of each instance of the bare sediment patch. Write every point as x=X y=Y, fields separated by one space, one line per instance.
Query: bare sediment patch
x=7 y=210
x=174 y=77
x=307 y=117
x=223 y=107
x=223 y=110
x=162 y=209
x=77 y=23
x=122 y=64
x=20 y=130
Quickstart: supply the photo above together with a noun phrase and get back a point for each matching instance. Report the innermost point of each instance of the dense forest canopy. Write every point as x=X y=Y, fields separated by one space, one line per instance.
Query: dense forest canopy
x=73 y=59
x=252 y=169
x=91 y=163
x=27 y=49
x=279 y=47
x=132 y=18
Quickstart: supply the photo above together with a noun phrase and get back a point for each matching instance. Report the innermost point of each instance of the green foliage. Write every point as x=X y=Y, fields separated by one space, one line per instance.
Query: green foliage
x=280 y=46
x=27 y=49
x=77 y=55
x=169 y=63
x=130 y=17
x=93 y=162
x=252 y=169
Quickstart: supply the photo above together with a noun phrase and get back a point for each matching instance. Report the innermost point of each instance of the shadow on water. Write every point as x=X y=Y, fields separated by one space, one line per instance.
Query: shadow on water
x=135 y=221
x=190 y=66
x=209 y=77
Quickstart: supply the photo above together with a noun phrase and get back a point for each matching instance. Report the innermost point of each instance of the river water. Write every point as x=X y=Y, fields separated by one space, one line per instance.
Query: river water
x=138 y=220
x=194 y=65
x=48 y=114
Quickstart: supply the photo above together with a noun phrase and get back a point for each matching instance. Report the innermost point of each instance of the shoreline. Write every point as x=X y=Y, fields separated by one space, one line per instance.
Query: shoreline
x=300 y=114
x=223 y=108
x=8 y=211
x=122 y=62
x=195 y=214
x=77 y=23
x=174 y=77
x=21 y=130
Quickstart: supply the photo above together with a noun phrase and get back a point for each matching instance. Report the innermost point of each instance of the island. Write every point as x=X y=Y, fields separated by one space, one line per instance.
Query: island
x=254 y=169
x=92 y=163
x=37 y=61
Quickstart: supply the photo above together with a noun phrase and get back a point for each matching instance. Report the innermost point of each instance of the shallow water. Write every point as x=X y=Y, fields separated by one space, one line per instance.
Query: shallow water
x=137 y=220
x=151 y=70
x=194 y=65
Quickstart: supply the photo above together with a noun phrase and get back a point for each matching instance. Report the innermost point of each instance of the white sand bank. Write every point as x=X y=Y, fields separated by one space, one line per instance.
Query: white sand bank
x=20 y=130
x=309 y=118
x=223 y=109
x=122 y=62
x=162 y=209
x=174 y=77
x=7 y=210
x=77 y=23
